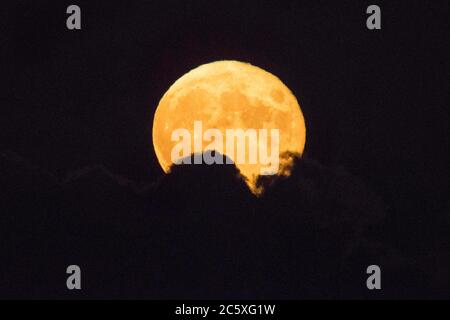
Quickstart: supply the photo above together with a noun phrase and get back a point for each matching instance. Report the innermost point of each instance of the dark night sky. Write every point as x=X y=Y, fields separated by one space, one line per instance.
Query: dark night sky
x=372 y=187
x=373 y=100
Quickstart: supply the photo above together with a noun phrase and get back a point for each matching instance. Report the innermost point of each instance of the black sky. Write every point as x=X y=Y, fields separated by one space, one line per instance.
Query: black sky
x=375 y=102
x=373 y=181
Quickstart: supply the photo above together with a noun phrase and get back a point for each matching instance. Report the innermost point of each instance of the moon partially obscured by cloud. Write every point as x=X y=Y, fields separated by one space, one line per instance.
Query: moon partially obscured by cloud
x=230 y=95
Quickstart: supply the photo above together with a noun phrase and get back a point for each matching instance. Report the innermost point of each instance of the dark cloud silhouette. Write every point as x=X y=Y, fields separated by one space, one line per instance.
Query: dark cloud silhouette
x=200 y=233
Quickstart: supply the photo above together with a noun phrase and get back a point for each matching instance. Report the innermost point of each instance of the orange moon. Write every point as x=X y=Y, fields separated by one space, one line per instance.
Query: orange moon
x=229 y=94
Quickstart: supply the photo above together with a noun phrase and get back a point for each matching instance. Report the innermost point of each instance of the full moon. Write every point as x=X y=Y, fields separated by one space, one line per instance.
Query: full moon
x=230 y=95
